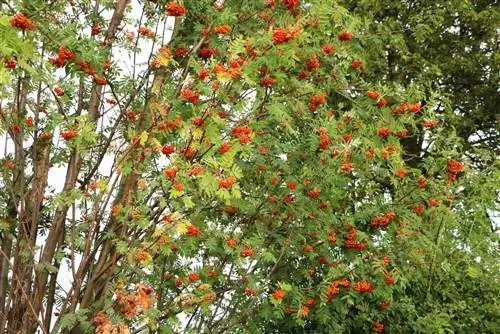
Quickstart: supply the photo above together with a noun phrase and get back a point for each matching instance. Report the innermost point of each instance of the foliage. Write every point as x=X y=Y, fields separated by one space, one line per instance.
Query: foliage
x=234 y=167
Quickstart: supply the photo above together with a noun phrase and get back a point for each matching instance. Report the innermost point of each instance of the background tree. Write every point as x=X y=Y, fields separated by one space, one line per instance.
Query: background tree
x=231 y=166
x=448 y=46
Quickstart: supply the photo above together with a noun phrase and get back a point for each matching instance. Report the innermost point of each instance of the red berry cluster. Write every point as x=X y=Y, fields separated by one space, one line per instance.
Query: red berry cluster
x=266 y=81
x=193 y=277
x=204 y=73
x=422 y=182
x=454 y=168
x=314 y=192
x=199 y=121
x=193 y=230
x=384 y=304
x=99 y=80
x=168 y=149
x=381 y=102
x=281 y=35
x=95 y=30
x=384 y=132
x=357 y=63
x=345 y=36
x=59 y=91
x=171 y=124
x=363 y=286
x=10 y=63
x=226 y=146
x=415 y=107
x=191 y=95
x=291 y=4
x=378 y=327
x=143 y=31
x=21 y=21
x=222 y=29
x=243 y=133
x=388 y=278
x=180 y=52
x=69 y=134
x=401 y=172
x=328 y=48
x=85 y=67
x=373 y=94
x=248 y=251
x=324 y=139
x=175 y=9
x=206 y=53
x=402 y=134
x=170 y=172
x=400 y=109
x=316 y=101
x=313 y=62
x=226 y=183
x=384 y=220
x=334 y=288
x=431 y=124
x=63 y=55
x=351 y=242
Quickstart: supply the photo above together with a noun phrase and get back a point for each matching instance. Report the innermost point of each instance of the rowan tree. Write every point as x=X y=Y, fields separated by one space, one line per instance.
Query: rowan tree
x=226 y=166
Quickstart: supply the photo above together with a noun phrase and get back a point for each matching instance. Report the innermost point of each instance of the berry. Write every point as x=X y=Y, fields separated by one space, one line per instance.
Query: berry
x=381 y=103
x=247 y=252
x=168 y=149
x=415 y=107
x=22 y=22
x=313 y=63
x=303 y=74
x=383 y=132
x=231 y=243
x=10 y=63
x=143 y=31
x=204 y=74
x=179 y=52
x=99 y=80
x=357 y=63
x=226 y=146
x=314 y=192
x=345 y=36
x=328 y=48
x=454 y=167
x=279 y=294
x=206 y=53
x=69 y=134
x=281 y=36
x=291 y=4
x=193 y=277
x=175 y=9
x=266 y=82
x=193 y=230
x=96 y=30
x=378 y=327
x=226 y=183
x=59 y=91
x=363 y=286
x=401 y=172
x=222 y=29
x=191 y=95
x=373 y=94
x=170 y=172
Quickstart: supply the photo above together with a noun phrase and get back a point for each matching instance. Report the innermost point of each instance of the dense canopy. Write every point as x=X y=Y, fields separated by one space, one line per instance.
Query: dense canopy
x=274 y=166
